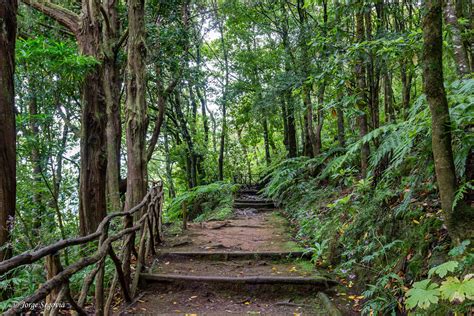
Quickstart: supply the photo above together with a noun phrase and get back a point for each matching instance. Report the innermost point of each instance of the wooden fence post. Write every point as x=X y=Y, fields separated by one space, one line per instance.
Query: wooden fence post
x=140 y=259
x=53 y=267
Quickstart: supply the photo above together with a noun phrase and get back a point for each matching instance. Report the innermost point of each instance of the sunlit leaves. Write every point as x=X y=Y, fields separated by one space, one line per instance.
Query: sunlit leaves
x=454 y=289
x=423 y=294
x=443 y=269
x=54 y=57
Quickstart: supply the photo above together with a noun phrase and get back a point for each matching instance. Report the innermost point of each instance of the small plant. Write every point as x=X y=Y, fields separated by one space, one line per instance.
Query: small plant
x=318 y=250
x=443 y=288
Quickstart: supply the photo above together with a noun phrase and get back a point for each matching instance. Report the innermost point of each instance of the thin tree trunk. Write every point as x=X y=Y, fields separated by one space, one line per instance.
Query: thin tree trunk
x=266 y=140
x=460 y=56
x=310 y=146
x=388 y=98
x=191 y=159
x=362 y=94
x=224 y=96
x=341 y=135
x=169 y=166
x=36 y=159
x=292 y=144
x=8 y=24
x=202 y=95
x=287 y=97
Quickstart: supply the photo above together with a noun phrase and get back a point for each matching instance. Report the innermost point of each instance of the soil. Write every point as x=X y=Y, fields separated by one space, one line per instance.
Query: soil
x=248 y=230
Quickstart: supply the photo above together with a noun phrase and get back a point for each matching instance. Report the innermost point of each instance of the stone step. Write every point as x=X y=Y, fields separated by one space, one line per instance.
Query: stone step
x=319 y=282
x=254 y=205
x=263 y=201
x=239 y=255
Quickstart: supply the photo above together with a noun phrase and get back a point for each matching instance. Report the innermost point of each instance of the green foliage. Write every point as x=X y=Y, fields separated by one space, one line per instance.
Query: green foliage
x=205 y=202
x=443 y=269
x=423 y=294
x=54 y=56
x=453 y=289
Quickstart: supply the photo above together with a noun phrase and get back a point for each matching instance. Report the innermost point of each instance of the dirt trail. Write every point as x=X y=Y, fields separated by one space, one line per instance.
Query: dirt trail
x=253 y=244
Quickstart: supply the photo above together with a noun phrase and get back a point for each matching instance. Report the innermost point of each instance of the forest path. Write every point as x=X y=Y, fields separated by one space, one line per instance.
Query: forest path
x=247 y=264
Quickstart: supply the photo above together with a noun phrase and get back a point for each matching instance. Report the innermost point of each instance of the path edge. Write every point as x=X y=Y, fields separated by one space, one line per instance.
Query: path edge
x=330 y=307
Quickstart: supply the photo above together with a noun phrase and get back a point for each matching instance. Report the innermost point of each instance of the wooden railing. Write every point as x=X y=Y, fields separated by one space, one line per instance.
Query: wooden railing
x=147 y=226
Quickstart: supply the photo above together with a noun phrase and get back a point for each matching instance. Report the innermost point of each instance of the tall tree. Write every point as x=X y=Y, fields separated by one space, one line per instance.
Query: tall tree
x=310 y=147
x=460 y=217
x=87 y=28
x=225 y=88
x=460 y=54
x=135 y=107
x=361 y=89
x=8 y=25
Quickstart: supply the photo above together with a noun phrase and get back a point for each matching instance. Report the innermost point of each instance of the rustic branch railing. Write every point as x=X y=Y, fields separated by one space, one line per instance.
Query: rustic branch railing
x=148 y=227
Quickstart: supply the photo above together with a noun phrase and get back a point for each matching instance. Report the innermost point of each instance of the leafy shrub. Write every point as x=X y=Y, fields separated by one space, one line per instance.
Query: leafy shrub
x=205 y=202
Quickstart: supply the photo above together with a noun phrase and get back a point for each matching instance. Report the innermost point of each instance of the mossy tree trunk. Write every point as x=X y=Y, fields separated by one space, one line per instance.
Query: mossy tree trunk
x=459 y=217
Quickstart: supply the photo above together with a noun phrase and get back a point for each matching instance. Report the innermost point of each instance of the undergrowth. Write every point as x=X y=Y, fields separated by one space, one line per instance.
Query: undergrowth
x=203 y=203
x=384 y=234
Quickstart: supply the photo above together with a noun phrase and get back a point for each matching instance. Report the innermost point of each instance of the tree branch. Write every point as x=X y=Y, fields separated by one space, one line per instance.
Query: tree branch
x=62 y=15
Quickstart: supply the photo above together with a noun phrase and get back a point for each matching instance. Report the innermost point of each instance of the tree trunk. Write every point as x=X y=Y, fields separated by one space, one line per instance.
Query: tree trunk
x=341 y=135
x=459 y=219
x=36 y=159
x=266 y=140
x=202 y=95
x=388 y=98
x=406 y=71
x=191 y=157
x=460 y=56
x=8 y=24
x=224 y=97
x=136 y=118
x=169 y=166
x=287 y=97
x=310 y=146
x=93 y=173
x=111 y=85
x=292 y=144
x=362 y=94
x=136 y=109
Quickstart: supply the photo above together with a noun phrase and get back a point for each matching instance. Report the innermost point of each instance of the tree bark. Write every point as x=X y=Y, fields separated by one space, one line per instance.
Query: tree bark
x=266 y=141
x=310 y=146
x=169 y=166
x=460 y=218
x=136 y=109
x=224 y=96
x=93 y=174
x=111 y=86
x=8 y=25
x=35 y=157
x=136 y=119
x=191 y=157
x=287 y=97
x=341 y=135
x=362 y=94
x=460 y=56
